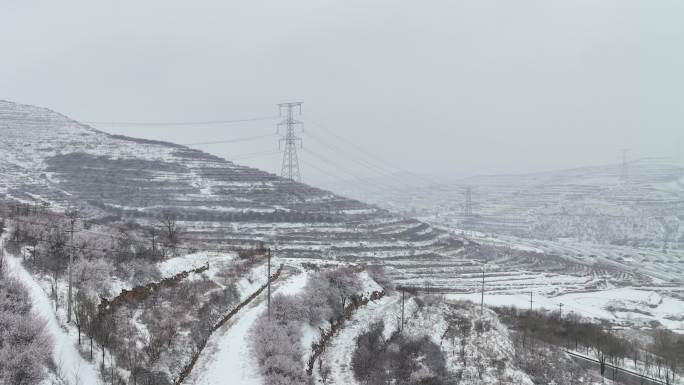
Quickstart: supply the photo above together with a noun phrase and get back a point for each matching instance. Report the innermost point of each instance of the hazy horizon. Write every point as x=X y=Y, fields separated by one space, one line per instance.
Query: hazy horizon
x=440 y=89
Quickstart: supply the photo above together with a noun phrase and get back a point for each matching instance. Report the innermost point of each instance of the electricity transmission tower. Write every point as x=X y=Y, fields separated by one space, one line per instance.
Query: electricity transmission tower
x=468 y=210
x=623 y=165
x=290 y=168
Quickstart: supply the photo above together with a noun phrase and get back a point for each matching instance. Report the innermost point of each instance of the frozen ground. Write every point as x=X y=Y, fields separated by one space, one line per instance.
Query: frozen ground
x=628 y=307
x=173 y=266
x=597 y=204
x=338 y=354
x=75 y=369
x=227 y=359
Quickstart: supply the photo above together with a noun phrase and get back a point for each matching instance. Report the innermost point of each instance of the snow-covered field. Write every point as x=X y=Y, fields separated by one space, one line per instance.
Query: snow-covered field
x=173 y=266
x=628 y=307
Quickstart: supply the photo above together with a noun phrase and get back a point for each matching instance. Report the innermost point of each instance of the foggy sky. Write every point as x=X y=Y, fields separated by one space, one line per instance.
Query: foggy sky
x=435 y=87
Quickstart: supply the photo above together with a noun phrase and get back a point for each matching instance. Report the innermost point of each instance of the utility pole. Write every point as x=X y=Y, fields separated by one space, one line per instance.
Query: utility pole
x=290 y=166
x=560 y=311
x=403 y=295
x=72 y=214
x=268 y=280
x=530 y=302
x=623 y=166
x=483 y=289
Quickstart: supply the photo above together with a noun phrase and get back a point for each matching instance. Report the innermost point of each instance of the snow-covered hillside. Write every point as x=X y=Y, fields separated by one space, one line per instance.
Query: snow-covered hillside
x=53 y=160
x=50 y=159
x=640 y=205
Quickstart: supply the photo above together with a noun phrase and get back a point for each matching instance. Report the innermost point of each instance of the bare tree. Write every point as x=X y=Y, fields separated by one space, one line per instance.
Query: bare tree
x=72 y=215
x=171 y=228
x=82 y=310
x=345 y=284
x=106 y=330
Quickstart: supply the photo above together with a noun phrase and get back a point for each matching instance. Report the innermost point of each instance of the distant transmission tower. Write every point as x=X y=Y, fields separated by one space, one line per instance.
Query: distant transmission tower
x=290 y=168
x=623 y=167
x=468 y=210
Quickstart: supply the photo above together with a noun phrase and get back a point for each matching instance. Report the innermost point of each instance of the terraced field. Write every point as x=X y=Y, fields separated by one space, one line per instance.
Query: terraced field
x=583 y=222
x=50 y=159
x=645 y=208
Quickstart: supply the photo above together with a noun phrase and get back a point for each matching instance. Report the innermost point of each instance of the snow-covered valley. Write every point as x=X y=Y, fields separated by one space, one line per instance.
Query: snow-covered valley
x=172 y=248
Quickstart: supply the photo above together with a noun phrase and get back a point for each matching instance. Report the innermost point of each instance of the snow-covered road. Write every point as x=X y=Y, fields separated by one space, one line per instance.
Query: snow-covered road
x=227 y=358
x=74 y=369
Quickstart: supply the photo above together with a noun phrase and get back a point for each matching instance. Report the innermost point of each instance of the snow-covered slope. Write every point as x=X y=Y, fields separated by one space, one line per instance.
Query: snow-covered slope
x=641 y=205
x=73 y=368
x=50 y=159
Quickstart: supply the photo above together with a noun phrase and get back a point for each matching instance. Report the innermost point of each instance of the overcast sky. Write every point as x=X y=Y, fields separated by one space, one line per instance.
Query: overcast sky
x=436 y=87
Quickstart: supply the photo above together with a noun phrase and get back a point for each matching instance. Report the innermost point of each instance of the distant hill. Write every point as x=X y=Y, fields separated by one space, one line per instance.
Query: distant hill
x=48 y=158
x=640 y=206
x=132 y=184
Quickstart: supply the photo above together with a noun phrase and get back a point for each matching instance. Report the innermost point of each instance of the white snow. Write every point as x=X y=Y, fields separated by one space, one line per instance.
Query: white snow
x=227 y=358
x=173 y=266
x=636 y=307
x=76 y=370
x=338 y=354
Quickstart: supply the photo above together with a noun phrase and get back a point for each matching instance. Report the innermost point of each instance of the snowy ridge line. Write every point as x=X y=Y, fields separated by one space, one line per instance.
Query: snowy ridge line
x=188 y=368
x=617 y=368
x=140 y=292
x=326 y=335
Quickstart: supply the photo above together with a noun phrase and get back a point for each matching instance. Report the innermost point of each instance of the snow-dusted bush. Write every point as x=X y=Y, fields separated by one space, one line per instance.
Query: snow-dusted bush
x=287 y=308
x=138 y=272
x=368 y=360
x=276 y=341
x=316 y=301
x=343 y=284
x=276 y=344
x=156 y=334
x=92 y=276
x=398 y=360
x=24 y=346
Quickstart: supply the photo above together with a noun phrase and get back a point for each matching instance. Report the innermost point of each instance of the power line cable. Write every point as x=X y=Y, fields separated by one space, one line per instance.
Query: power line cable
x=234 y=140
x=370 y=154
x=400 y=182
x=252 y=155
x=330 y=175
x=377 y=166
x=181 y=123
x=336 y=168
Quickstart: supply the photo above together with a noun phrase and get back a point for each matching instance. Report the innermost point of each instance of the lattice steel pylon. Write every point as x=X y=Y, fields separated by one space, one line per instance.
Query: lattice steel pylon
x=468 y=208
x=624 y=171
x=290 y=168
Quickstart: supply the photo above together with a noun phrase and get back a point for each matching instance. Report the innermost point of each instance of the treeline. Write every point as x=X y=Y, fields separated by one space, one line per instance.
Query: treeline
x=174 y=318
x=662 y=358
x=131 y=252
x=150 y=337
x=199 y=215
